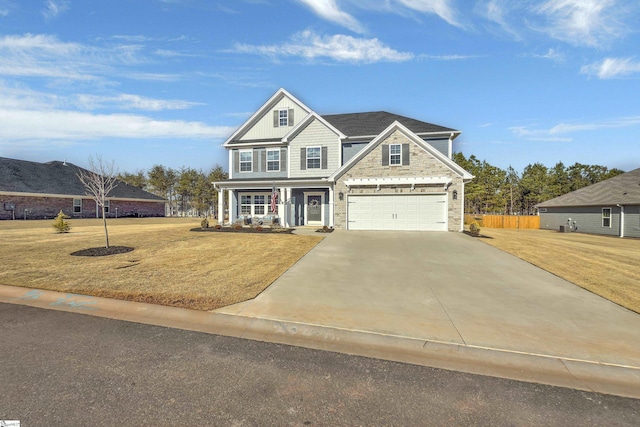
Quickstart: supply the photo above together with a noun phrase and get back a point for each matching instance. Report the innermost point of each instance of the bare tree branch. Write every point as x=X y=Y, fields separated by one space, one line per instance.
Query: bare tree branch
x=98 y=182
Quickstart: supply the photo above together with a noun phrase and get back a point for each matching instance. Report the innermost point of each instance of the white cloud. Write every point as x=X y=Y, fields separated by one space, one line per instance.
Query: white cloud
x=55 y=8
x=583 y=22
x=555 y=133
x=341 y=48
x=329 y=10
x=552 y=54
x=611 y=68
x=17 y=125
x=441 y=8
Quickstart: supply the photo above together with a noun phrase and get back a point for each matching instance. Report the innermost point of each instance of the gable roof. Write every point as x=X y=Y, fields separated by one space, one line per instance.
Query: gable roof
x=60 y=178
x=255 y=117
x=623 y=189
x=397 y=126
x=373 y=123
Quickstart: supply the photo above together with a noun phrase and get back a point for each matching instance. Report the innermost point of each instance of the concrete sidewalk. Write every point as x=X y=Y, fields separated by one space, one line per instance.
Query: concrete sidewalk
x=435 y=299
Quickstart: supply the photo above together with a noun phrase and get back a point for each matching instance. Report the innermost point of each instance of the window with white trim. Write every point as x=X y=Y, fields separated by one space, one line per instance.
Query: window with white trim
x=273 y=160
x=246 y=161
x=606 y=217
x=77 y=205
x=107 y=206
x=283 y=117
x=259 y=206
x=254 y=203
x=314 y=157
x=245 y=205
x=395 y=154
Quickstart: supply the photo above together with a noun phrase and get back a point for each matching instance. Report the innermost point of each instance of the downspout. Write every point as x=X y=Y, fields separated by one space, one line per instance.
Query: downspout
x=621 y=219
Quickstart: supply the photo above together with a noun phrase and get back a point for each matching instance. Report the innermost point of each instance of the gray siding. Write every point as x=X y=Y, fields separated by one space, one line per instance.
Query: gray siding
x=260 y=165
x=315 y=134
x=588 y=219
x=264 y=128
x=350 y=149
x=632 y=221
x=442 y=145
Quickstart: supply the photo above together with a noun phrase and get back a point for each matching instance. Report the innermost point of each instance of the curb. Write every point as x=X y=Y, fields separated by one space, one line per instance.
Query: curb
x=537 y=368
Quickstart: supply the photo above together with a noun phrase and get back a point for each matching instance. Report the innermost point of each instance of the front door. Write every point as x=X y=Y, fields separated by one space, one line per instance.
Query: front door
x=314 y=208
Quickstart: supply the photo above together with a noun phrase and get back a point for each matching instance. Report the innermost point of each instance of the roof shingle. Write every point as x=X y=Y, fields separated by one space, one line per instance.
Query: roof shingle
x=373 y=123
x=56 y=177
x=623 y=189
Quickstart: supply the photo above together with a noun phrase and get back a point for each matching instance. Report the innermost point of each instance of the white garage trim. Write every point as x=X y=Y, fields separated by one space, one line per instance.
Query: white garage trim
x=398 y=211
x=413 y=181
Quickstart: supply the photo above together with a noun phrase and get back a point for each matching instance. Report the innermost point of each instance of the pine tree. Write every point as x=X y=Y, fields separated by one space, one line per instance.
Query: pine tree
x=61 y=224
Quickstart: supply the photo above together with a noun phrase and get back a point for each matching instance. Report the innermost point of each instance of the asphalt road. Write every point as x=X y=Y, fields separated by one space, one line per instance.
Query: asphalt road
x=69 y=369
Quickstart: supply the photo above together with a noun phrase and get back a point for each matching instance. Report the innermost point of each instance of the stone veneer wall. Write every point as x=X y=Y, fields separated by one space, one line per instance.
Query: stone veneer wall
x=422 y=164
x=48 y=207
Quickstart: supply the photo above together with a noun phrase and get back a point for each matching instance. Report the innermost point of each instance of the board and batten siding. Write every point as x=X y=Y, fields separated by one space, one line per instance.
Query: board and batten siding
x=265 y=129
x=259 y=164
x=315 y=134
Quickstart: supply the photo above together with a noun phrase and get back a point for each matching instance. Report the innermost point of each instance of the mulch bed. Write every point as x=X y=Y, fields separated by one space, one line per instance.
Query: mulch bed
x=102 y=251
x=264 y=230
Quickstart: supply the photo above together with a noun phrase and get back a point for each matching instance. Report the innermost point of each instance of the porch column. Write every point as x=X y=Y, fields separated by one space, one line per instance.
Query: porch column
x=282 y=206
x=220 y=206
x=331 y=203
x=232 y=208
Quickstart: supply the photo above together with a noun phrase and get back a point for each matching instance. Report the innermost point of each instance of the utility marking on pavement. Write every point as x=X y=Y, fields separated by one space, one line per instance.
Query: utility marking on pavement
x=70 y=302
x=30 y=296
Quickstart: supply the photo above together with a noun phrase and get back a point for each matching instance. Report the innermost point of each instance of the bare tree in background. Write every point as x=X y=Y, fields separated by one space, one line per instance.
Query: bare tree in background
x=98 y=182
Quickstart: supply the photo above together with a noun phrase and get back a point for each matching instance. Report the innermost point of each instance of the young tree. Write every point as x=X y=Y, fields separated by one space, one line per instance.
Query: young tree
x=98 y=182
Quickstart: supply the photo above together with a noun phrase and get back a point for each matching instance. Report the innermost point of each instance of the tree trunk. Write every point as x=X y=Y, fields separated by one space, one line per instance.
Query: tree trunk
x=106 y=233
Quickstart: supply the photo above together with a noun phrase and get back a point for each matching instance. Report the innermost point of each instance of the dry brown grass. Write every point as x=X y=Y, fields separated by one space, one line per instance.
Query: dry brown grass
x=606 y=266
x=170 y=264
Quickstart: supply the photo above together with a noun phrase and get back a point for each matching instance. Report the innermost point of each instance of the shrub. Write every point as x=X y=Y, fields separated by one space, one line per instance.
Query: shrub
x=474 y=228
x=237 y=227
x=259 y=228
x=61 y=224
x=218 y=227
x=204 y=223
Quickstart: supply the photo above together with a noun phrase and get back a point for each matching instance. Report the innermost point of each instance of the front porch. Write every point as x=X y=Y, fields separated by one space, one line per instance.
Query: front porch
x=297 y=203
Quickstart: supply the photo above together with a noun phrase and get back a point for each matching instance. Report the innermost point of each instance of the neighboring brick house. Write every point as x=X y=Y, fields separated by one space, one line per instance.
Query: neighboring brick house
x=610 y=207
x=360 y=171
x=40 y=190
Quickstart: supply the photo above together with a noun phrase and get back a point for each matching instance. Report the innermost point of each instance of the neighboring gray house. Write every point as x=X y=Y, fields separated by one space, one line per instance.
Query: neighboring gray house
x=30 y=190
x=361 y=171
x=610 y=207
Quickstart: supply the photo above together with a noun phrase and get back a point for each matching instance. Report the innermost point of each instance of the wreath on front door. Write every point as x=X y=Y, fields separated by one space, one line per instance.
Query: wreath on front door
x=314 y=203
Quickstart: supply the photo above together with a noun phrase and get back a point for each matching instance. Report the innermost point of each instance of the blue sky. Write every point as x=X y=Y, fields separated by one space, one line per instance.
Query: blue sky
x=149 y=82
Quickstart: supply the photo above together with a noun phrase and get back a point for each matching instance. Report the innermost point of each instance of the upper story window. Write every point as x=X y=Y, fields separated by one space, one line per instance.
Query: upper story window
x=246 y=161
x=283 y=117
x=273 y=160
x=314 y=158
x=395 y=154
x=606 y=217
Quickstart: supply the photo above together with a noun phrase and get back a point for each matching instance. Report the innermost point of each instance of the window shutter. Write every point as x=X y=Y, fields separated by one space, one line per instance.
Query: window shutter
x=324 y=157
x=290 y=117
x=276 y=118
x=263 y=160
x=283 y=159
x=405 y=154
x=236 y=161
x=256 y=158
x=385 y=155
x=303 y=158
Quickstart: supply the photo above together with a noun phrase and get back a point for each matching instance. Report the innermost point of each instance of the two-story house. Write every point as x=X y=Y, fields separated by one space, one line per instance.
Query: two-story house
x=360 y=171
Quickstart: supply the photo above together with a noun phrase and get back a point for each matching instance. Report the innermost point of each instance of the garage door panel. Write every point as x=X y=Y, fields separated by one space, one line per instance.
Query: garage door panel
x=397 y=212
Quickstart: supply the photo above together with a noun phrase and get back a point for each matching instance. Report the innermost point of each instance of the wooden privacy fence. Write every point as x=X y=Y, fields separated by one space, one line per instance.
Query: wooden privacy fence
x=505 y=221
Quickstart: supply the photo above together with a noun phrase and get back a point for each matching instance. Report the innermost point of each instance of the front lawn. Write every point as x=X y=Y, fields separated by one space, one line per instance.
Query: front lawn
x=606 y=266
x=169 y=265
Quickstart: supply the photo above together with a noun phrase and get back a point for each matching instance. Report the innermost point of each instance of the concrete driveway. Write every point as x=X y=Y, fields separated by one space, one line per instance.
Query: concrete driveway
x=448 y=288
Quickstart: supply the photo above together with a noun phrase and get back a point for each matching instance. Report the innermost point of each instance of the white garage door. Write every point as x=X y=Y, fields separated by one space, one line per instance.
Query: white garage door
x=426 y=212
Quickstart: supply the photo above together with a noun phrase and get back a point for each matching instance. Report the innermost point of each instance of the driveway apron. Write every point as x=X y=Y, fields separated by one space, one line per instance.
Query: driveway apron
x=446 y=287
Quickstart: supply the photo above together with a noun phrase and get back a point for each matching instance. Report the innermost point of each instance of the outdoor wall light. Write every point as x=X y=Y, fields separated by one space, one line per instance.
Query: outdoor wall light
x=341 y=195
x=455 y=194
